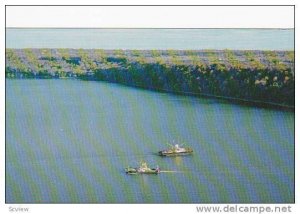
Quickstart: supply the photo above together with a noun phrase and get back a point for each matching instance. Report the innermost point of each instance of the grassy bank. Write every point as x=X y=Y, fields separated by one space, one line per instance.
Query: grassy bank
x=255 y=77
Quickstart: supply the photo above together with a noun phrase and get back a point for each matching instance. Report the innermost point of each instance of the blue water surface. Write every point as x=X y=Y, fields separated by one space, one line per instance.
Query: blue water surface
x=242 y=39
x=68 y=141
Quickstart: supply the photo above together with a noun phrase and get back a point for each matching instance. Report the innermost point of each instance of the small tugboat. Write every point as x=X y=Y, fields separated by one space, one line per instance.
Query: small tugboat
x=142 y=169
x=175 y=150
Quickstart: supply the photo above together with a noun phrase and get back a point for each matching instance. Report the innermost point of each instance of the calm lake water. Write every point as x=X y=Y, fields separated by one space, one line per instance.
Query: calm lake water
x=68 y=141
x=242 y=39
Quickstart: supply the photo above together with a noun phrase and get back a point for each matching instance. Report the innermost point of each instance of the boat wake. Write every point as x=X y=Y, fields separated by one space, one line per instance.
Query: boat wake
x=169 y=171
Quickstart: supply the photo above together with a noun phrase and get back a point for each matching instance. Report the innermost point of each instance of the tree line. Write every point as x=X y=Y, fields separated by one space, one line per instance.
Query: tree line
x=263 y=76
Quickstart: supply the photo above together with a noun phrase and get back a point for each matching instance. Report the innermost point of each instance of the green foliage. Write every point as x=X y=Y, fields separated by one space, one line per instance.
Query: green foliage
x=159 y=60
x=141 y=59
x=31 y=57
x=15 y=61
x=233 y=60
x=77 y=69
x=254 y=82
x=175 y=59
x=46 y=53
x=157 y=57
x=194 y=58
x=155 y=53
x=101 y=56
x=64 y=53
x=291 y=56
x=254 y=61
x=86 y=61
x=119 y=53
x=221 y=67
x=212 y=56
x=135 y=52
x=274 y=61
x=172 y=52
x=271 y=57
x=57 y=68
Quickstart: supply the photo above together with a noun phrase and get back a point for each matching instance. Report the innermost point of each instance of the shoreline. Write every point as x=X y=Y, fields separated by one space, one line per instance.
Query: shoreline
x=258 y=78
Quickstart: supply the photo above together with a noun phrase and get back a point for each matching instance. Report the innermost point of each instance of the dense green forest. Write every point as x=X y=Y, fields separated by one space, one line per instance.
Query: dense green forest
x=254 y=76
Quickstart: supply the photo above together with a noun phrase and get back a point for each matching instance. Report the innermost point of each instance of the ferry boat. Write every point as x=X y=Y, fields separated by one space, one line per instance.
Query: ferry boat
x=142 y=169
x=175 y=151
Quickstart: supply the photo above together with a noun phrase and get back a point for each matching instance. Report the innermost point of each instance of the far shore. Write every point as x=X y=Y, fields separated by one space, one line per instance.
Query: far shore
x=257 y=78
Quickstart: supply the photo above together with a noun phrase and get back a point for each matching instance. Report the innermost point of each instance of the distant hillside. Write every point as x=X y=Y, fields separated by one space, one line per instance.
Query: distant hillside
x=261 y=77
